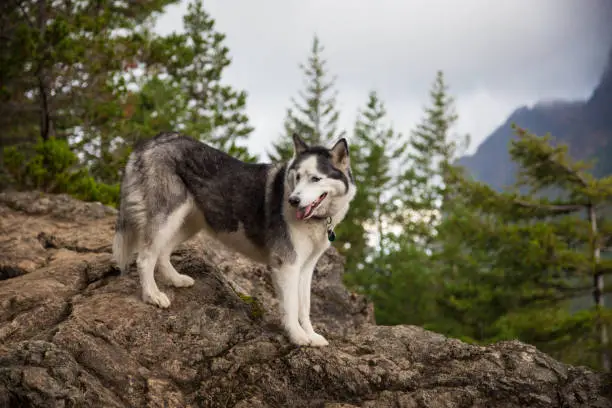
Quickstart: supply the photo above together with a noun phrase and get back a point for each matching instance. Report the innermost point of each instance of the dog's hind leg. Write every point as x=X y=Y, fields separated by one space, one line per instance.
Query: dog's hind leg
x=157 y=238
x=184 y=232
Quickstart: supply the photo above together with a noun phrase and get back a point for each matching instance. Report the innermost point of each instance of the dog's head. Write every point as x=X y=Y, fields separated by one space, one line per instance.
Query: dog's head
x=320 y=180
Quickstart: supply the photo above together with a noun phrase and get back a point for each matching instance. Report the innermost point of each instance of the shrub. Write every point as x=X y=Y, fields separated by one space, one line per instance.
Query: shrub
x=51 y=166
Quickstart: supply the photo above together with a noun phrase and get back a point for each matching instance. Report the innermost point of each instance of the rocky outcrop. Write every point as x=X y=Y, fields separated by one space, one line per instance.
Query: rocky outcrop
x=74 y=333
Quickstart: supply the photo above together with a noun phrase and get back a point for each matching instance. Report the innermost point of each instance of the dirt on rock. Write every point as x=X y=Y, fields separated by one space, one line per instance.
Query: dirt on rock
x=74 y=333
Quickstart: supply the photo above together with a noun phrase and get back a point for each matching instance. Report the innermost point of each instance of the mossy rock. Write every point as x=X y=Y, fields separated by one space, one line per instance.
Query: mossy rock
x=257 y=310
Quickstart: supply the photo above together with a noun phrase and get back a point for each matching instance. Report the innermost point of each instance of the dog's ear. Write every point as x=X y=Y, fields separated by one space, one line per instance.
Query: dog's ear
x=299 y=145
x=340 y=154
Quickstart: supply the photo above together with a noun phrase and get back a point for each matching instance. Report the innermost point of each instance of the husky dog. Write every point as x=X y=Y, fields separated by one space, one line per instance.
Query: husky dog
x=282 y=215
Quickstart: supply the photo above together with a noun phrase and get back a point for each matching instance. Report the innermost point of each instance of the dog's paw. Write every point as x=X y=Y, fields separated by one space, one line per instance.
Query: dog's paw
x=316 y=340
x=299 y=338
x=158 y=299
x=182 y=281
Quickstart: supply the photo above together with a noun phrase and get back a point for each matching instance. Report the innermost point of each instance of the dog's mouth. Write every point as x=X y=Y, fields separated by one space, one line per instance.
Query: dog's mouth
x=304 y=213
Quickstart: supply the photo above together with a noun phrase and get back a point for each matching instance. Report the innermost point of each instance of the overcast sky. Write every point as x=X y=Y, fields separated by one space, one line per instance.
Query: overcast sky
x=497 y=55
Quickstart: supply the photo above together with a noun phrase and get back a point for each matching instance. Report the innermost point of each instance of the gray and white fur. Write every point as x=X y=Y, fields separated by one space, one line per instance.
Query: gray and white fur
x=277 y=214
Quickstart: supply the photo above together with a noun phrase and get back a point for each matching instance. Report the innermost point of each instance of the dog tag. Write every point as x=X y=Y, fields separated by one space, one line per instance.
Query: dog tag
x=331 y=235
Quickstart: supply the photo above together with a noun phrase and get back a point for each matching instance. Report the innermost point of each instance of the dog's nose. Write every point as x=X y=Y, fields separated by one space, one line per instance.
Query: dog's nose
x=294 y=201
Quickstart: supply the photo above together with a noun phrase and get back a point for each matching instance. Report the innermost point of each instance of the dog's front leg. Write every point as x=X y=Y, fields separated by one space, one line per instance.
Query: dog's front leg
x=304 y=296
x=287 y=280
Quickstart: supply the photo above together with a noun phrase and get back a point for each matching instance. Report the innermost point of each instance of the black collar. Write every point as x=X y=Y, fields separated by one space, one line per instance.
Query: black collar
x=331 y=235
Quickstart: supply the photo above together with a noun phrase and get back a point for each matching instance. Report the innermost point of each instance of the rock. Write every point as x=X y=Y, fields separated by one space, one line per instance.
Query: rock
x=74 y=333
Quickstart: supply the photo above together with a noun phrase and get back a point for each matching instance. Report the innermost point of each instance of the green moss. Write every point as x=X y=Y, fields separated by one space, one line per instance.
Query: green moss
x=257 y=310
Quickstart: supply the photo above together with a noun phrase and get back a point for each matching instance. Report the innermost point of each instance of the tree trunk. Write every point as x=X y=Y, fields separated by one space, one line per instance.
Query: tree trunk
x=380 y=229
x=42 y=88
x=44 y=108
x=598 y=291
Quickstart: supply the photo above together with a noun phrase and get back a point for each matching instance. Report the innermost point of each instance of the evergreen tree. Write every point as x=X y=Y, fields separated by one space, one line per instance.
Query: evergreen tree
x=408 y=272
x=58 y=69
x=195 y=62
x=315 y=117
x=400 y=184
x=183 y=90
x=428 y=164
x=97 y=76
x=375 y=148
x=56 y=58
x=402 y=285
x=530 y=259
x=158 y=105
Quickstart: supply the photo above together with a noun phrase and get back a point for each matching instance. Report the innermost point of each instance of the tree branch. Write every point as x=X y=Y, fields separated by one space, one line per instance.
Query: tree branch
x=553 y=208
x=25 y=15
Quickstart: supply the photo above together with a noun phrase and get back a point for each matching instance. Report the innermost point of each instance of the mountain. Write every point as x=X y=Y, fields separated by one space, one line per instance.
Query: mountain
x=586 y=126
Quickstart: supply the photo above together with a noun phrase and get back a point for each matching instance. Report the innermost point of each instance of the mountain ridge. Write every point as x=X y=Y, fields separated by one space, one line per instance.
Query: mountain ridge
x=584 y=125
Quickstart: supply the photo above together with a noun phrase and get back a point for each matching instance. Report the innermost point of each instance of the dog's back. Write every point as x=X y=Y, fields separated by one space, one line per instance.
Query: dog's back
x=169 y=170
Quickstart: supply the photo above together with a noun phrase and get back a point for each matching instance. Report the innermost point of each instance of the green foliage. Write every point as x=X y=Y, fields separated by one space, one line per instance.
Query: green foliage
x=69 y=71
x=204 y=107
x=59 y=64
x=400 y=184
x=374 y=149
x=468 y=261
x=408 y=186
x=314 y=117
x=428 y=166
x=402 y=287
x=59 y=68
x=521 y=260
x=568 y=336
x=51 y=166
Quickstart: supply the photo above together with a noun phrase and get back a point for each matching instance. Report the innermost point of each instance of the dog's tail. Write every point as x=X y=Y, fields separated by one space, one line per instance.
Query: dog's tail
x=123 y=248
x=125 y=240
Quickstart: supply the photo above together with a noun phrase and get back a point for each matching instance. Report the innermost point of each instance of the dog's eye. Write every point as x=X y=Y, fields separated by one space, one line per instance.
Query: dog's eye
x=297 y=177
x=315 y=179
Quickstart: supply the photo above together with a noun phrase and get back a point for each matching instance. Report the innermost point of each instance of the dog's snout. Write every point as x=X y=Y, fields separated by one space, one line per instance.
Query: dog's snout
x=294 y=201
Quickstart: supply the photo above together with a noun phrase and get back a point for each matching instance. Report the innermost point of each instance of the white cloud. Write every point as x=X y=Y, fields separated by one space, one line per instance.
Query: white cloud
x=496 y=55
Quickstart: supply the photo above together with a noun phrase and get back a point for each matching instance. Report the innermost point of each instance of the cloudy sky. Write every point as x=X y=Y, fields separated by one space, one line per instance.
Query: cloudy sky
x=497 y=55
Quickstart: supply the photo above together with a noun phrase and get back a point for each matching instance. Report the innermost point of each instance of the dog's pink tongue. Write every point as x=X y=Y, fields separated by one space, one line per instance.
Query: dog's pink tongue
x=303 y=212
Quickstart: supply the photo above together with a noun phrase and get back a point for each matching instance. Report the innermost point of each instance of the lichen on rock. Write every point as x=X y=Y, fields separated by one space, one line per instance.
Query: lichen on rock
x=257 y=310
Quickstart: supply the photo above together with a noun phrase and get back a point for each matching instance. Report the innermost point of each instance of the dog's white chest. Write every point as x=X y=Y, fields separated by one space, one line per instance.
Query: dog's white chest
x=309 y=238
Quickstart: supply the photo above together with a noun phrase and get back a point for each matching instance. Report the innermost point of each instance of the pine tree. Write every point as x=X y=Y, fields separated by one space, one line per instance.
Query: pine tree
x=181 y=89
x=428 y=163
x=420 y=196
x=68 y=72
x=388 y=269
x=58 y=70
x=188 y=68
x=315 y=117
x=375 y=148
x=216 y=111
x=531 y=261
